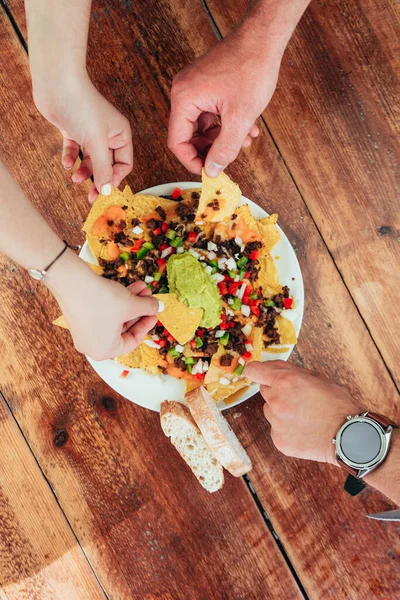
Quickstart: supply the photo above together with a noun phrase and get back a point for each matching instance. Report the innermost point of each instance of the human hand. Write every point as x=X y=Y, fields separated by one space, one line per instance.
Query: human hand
x=235 y=81
x=86 y=119
x=105 y=319
x=305 y=410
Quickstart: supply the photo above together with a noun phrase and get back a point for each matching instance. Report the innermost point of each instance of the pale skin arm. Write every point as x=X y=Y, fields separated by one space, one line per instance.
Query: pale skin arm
x=306 y=410
x=105 y=319
x=64 y=94
x=234 y=80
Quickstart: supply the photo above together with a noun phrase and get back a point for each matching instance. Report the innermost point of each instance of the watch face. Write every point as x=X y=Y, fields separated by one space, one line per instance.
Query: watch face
x=361 y=442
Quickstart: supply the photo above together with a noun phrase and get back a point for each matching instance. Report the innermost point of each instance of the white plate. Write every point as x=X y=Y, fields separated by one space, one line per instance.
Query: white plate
x=150 y=390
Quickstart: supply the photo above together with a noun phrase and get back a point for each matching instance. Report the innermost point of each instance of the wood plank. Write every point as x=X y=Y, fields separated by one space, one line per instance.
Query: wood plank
x=39 y=555
x=334 y=340
x=145 y=525
x=335 y=118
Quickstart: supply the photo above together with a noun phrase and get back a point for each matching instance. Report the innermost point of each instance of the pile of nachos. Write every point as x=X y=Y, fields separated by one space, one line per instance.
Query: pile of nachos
x=209 y=260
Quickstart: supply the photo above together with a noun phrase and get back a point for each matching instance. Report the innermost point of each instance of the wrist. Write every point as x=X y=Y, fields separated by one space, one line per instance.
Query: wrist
x=386 y=477
x=67 y=277
x=49 y=85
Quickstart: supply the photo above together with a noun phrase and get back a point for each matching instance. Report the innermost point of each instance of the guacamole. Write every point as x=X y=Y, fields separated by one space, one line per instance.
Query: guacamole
x=194 y=287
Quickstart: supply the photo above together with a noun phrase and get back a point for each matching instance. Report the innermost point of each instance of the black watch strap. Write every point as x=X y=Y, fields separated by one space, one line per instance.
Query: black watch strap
x=353 y=486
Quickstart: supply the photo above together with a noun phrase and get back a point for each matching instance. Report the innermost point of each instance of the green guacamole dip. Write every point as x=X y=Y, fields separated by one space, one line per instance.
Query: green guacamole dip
x=193 y=286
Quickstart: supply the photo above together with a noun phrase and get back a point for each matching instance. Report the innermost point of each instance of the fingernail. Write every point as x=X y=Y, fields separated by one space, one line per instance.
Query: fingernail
x=161 y=306
x=213 y=169
x=106 y=189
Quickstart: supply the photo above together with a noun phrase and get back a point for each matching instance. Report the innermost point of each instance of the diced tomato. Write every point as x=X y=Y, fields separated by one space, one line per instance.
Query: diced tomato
x=192 y=237
x=231 y=324
x=223 y=326
x=200 y=375
x=254 y=255
x=176 y=193
x=227 y=278
x=247 y=355
x=245 y=299
x=154 y=283
x=223 y=290
x=193 y=344
x=163 y=247
x=157 y=231
x=200 y=332
x=170 y=338
x=161 y=262
x=248 y=290
x=223 y=317
x=255 y=310
x=136 y=246
x=160 y=324
x=287 y=302
x=234 y=286
x=124 y=374
x=247 y=275
x=162 y=343
x=164 y=227
x=253 y=302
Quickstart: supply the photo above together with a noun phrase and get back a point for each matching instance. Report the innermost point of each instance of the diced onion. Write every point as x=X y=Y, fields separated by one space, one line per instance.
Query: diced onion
x=234 y=380
x=236 y=256
x=236 y=279
x=151 y=344
x=218 y=277
x=219 y=333
x=221 y=263
x=137 y=230
x=245 y=310
x=242 y=361
x=166 y=252
x=208 y=269
x=229 y=313
x=246 y=330
x=194 y=253
x=249 y=347
x=179 y=348
x=211 y=246
x=180 y=250
x=201 y=258
x=148 y=279
x=241 y=291
x=211 y=255
x=231 y=264
x=242 y=247
x=223 y=381
x=230 y=301
x=155 y=337
x=205 y=366
x=238 y=240
x=199 y=222
x=198 y=367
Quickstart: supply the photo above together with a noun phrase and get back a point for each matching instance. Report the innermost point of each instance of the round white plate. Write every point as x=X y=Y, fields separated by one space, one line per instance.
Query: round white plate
x=150 y=390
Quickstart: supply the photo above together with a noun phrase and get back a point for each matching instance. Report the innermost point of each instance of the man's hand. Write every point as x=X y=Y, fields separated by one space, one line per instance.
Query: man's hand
x=88 y=121
x=305 y=410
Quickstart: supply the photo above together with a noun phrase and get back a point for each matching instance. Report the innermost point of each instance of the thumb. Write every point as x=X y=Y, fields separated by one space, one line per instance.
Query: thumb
x=145 y=306
x=266 y=373
x=227 y=145
x=100 y=156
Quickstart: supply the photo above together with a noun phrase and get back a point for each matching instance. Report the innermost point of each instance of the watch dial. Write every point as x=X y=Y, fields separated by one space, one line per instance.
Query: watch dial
x=360 y=442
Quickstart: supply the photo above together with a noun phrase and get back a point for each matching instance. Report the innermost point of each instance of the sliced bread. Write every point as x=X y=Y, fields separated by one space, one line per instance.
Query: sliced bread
x=217 y=432
x=178 y=424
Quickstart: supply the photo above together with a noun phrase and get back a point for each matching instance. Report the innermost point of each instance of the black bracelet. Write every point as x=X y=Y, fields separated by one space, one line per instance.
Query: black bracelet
x=40 y=275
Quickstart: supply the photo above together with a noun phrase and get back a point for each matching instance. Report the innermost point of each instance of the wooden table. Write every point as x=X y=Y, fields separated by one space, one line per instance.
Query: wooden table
x=94 y=502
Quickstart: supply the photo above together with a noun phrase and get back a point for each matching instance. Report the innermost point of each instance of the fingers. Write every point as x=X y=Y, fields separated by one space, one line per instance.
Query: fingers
x=137 y=287
x=85 y=169
x=123 y=157
x=70 y=153
x=132 y=338
x=143 y=306
x=227 y=145
x=101 y=158
x=268 y=373
x=182 y=126
x=254 y=131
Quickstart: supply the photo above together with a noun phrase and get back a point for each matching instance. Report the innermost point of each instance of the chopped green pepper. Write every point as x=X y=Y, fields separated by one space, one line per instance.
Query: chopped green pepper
x=239 y=370
x=170 y=234
x=142 y=252
x=176 y=242
x=189 y=368
x=232 y=274
x=157 y=276
x=163 y=290
x=174 y=353
x=125 y=256
x=242 y=261
x=213 y=263
x=225 y=338
x=148 y=245
x=270 y=303
x=189 y=360
x=236 y=304
x=253 y=296
x=199 y=342
x=214 y=270
x=242 y=273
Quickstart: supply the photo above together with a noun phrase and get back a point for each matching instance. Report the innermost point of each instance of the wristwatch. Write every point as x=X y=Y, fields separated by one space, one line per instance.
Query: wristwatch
x=362 y=444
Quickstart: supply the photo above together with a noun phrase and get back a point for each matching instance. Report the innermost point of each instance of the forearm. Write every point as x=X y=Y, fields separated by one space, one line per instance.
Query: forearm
x=57 y=37
x=269 y=24
x=386 y=478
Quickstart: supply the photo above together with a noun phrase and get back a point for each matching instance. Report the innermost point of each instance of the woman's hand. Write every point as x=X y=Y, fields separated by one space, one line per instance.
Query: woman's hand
x=305 y=410
x=105 y=319
x=88 y=121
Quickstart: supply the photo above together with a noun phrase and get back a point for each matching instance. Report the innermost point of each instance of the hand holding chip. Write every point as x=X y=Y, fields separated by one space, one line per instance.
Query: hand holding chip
x=305 y=410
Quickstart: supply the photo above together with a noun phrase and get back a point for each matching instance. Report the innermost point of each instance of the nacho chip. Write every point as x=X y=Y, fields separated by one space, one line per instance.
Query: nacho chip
x=244 y=226
x=244 y=213
x=103 y=203
x=221 y=192
x=132 y=359
x=269 y=232
x=143 y=357
x=256 y=338
x=177 y=318
x=286 y=330
x=61 y=321
x=187 y=195
x=191 y=384
x=215 y=372
x=268 y=276
x=127 y=192
x=222 y=392
x=144 y=206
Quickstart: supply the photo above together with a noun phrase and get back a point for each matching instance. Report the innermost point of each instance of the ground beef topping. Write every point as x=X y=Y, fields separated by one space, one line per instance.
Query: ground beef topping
x=161 y=212
x=226 y=360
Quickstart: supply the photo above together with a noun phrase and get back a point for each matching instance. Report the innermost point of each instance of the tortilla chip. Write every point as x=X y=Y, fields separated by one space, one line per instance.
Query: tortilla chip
x=256 y=338
x=222 y=392
x=116 y=198
x=127 y=192
x=245 y=213
x=61 y=322
x=219 y=188
x=268 y=276
x=145 y=204
x=132 y=359
x=269 y=232
x=143 y=357
x=287 y=331
x=214 y=372
x=177 y=318
x=96 y=268
x=187 y=194
x=191 y=384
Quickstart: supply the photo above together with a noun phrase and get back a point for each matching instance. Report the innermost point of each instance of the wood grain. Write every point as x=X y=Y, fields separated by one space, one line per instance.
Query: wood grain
x=335 y=118
x=147 y=528
x=133 y=55
x=38 y=551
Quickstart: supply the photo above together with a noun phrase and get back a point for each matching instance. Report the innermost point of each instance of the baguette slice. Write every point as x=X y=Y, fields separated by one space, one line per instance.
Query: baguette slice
x=177 y=424
x=216 y=431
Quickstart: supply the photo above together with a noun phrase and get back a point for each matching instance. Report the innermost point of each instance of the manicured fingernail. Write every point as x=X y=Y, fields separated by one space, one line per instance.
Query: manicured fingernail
x=106 y=189
x=161 y=306
x=213 y=169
